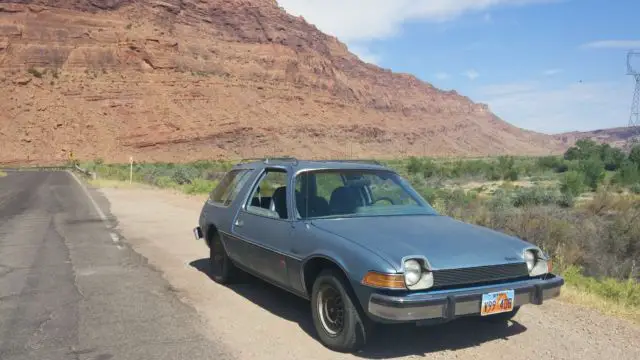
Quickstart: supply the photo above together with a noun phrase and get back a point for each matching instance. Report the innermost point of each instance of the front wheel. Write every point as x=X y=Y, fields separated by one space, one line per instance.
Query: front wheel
x=337 y=321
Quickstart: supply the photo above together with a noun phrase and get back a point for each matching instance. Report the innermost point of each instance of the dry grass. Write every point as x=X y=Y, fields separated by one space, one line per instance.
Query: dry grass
x=575 y=295
x=2 y=173
x=117 y=184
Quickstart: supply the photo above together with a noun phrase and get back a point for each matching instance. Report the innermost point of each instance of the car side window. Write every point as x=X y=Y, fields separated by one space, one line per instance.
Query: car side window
x=229 y=187
x=269 y=196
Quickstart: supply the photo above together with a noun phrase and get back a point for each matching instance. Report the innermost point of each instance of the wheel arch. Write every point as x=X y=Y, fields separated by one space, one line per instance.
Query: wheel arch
x=313 y=265
x=211 y=231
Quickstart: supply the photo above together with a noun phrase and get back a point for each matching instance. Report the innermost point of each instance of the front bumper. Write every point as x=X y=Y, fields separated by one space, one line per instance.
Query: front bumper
x=449 y=304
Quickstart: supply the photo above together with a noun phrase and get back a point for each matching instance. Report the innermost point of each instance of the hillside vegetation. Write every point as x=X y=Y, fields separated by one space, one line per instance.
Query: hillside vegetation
x=582 y=208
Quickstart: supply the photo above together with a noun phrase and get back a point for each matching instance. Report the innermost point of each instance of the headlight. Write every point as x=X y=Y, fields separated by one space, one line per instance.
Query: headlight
x=412 y=272
x=530 y=258
x=537 y=262
x=417 y=275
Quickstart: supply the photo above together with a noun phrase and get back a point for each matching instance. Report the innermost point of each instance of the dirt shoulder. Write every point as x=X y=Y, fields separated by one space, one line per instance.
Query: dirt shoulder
x=259 y=321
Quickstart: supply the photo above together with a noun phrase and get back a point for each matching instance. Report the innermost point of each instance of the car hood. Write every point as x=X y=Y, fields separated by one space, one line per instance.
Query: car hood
x=446 y=243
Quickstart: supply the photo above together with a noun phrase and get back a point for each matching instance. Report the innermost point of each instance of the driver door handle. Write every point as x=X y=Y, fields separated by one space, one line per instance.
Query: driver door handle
x=239 y=223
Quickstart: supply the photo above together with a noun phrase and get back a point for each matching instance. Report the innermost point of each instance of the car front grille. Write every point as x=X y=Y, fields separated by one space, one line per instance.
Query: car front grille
x=480 y=274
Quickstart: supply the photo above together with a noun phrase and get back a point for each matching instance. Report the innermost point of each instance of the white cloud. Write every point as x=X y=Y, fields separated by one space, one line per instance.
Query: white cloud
x=365 y=54
x=363 y=20
x=471 y=74
x=575 y=106
x=551 y=72
x=612 y=44
x=442 y=75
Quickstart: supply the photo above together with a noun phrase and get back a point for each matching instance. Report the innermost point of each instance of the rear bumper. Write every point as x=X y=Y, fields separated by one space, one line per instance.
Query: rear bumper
x=449 y=304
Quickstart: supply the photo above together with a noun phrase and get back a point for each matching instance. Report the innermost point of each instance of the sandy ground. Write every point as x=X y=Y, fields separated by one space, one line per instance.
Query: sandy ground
x=259 y=321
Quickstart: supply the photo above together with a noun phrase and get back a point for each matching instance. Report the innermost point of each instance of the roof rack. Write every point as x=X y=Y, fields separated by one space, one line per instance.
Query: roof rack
x=268 y=160
x=364 y=161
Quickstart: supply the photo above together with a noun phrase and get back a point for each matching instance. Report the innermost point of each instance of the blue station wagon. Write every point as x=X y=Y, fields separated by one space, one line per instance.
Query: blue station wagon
x=364 y=247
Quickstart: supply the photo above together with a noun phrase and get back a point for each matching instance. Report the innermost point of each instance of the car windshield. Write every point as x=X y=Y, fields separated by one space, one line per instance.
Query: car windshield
x=356 y=193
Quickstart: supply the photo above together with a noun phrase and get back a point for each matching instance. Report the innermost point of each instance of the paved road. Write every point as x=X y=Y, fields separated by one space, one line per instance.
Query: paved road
x=70 y=289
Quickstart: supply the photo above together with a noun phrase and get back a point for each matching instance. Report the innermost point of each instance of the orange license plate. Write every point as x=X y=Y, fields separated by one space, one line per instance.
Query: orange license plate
x=497 y=302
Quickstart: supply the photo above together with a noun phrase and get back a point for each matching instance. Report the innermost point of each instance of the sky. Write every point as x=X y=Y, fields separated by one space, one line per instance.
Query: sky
x=545 y=65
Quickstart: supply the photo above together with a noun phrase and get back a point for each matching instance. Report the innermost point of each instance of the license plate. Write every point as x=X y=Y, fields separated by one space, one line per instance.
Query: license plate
x=496 y=302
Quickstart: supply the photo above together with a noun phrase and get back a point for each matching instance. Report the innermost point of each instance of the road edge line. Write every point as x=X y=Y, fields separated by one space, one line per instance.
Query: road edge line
x=86 y=192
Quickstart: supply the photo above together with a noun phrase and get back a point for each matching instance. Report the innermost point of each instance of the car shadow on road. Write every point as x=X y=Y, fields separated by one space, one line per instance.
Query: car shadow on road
x=388 y=341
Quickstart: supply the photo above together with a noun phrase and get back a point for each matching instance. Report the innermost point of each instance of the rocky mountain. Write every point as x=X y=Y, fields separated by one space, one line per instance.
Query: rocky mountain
x=178 y=80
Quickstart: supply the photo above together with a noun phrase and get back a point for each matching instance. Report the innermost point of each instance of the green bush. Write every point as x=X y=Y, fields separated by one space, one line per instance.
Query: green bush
x=572 y=183
x=593 y=170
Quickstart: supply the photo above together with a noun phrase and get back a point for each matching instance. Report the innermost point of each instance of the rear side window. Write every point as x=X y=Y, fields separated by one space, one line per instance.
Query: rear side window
x=229 y=186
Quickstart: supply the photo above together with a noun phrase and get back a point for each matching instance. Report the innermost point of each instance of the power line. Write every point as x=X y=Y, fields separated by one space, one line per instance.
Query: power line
x=633 y=70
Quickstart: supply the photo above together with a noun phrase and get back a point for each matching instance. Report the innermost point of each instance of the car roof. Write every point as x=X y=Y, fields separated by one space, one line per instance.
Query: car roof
x=301 y=165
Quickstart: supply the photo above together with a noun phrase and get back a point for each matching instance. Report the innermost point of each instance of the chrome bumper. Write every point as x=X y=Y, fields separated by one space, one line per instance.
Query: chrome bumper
x=197 y=233
x=449 y=304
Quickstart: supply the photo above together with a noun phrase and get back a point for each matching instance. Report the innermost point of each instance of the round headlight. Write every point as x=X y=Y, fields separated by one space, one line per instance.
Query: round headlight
x=530 y=258
x=412 y=272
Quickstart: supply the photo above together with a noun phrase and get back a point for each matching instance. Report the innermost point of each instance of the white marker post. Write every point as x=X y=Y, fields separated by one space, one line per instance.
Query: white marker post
x=130 y=169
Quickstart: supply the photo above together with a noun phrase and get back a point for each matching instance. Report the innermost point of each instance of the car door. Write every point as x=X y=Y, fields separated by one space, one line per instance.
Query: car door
x=264 y=225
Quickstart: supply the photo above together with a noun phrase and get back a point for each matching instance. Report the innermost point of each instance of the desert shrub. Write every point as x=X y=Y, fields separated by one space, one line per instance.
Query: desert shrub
x=635 y=188
x=572 y=183
x=534 y=196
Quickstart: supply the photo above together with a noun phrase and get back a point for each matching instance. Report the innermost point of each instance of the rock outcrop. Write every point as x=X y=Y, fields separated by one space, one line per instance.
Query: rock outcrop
x=178 y=80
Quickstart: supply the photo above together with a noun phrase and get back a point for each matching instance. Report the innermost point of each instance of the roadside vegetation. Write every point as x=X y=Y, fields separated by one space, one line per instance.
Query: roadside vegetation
x=582 y=208
x=2 y=173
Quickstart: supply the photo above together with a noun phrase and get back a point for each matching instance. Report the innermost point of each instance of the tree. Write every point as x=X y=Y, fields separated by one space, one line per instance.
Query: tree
x=593 y=170
x=634 y=155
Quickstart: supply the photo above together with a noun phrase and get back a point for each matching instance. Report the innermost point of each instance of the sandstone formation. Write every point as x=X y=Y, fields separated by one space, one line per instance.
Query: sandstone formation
x=179 y=80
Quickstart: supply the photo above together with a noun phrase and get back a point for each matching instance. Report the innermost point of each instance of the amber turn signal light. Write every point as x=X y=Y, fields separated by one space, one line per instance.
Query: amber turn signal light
x=388 y=281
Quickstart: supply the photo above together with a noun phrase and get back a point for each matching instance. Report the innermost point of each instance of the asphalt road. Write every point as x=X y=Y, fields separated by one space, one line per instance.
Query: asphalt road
x=70 y=289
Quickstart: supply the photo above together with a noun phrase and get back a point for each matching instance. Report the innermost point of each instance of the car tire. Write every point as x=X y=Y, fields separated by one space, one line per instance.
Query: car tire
x=331 y=300
x=221 y=268
x=502 y=317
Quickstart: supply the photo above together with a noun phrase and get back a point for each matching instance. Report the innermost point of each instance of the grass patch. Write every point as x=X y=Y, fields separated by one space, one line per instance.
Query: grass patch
x=2 y=173
x=609 y=296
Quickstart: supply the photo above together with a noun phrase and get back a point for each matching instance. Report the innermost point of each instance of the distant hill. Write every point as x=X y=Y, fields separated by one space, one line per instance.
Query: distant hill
x=614 y=136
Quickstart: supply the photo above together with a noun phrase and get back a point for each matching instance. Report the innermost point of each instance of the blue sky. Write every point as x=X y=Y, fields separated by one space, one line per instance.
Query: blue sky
x=545 y=65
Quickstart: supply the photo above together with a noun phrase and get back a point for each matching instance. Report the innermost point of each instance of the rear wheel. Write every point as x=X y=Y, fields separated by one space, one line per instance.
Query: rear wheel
x=223 y=271
x=338 y=323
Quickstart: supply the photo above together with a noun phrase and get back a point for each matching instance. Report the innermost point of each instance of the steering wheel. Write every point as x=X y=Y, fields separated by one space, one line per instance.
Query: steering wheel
x=383 y=198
